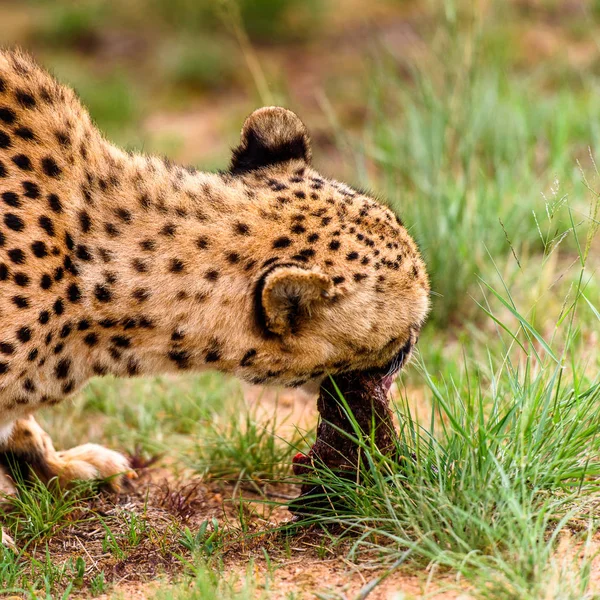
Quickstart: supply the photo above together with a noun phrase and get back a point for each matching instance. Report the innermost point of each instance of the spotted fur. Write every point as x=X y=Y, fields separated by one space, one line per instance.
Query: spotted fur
x=124 y=264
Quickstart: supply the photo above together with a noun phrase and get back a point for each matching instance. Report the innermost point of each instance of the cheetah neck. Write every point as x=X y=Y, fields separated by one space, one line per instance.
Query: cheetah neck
x=149 y=251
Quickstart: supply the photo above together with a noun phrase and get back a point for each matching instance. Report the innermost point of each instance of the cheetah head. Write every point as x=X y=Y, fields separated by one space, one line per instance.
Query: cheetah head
x=344 y=287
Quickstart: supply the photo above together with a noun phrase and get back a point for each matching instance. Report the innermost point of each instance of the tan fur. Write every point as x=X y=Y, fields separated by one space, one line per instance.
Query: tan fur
x=126 y=264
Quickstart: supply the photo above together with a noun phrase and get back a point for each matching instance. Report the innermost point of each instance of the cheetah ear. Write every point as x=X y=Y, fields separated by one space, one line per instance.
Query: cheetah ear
x=270 y=135
x=288 y=296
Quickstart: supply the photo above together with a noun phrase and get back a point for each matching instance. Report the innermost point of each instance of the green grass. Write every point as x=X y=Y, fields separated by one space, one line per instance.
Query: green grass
x=240 y=448
x=506 y=468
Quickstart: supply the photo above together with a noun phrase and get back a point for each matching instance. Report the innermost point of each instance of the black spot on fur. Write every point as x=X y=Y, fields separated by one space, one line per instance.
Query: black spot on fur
x=24 y=334
x=4 y=140
x=21 y=279
x=99 y=369
x=180 y=357
x=63 y=138
x=22 y=161
x=59 y=306
x=25 y=99
x=17 y=256
x=74 y=293
x=123 y=214
x=247 y=359
x=39 y=249
x=241 y=229
x=282 y=242
x=54 y=203
x=213 y=355
x=202 y=243
x=102 y=293
x=24 y=133
x=91 y=339
x=47 y=225
x=50 y=167
x=61 y=371
x=168 y=230
x=14 y=222
x=20 y=301
x=11 y=199
x=141 y=294
x=83 y=253
x=298 y=229
x=176 y=265
x=7 y=348
x=121 y=341
x=139 y=265
x=111 y=230
x=148 y=245
x=7 y=115
x=84 y=221
x=30 y=189
x=46 y=281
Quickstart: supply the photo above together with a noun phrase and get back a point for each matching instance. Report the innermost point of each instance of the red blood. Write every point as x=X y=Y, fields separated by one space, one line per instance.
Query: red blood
x=299 y=458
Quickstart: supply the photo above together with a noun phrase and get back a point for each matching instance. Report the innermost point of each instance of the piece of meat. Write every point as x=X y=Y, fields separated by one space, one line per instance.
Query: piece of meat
x=366 y=395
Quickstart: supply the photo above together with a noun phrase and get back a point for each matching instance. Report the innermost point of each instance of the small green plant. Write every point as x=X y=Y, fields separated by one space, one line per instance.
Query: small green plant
x=98 y=584
x=136 y=530
x=205 y=541
x=110 y=543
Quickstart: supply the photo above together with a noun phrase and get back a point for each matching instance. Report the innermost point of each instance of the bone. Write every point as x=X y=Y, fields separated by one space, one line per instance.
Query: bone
x=366 y=395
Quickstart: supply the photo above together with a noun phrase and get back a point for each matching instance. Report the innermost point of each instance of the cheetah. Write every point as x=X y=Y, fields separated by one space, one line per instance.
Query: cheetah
x=113 y=262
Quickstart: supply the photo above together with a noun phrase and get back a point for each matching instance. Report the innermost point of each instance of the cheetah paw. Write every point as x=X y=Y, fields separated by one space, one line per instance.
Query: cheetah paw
x=91 y=461
x=6 y=540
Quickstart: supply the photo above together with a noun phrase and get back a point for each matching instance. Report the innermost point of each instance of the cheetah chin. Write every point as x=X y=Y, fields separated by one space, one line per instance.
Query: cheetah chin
x=119 y=263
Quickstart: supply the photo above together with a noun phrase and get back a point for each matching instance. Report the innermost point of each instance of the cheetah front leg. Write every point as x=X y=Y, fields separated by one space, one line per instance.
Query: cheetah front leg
x=7 y=489
x=29 y=448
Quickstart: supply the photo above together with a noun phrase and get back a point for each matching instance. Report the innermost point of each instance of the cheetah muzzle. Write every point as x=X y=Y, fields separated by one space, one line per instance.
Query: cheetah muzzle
x=119 y=263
